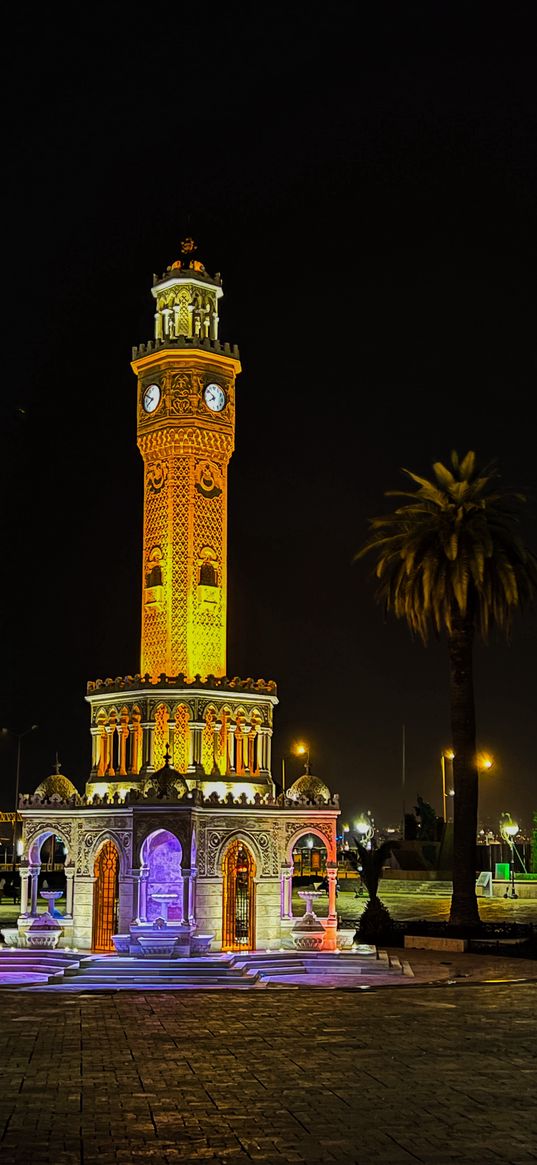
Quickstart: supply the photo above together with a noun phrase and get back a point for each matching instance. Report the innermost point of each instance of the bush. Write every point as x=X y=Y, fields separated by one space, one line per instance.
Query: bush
x=375 y=925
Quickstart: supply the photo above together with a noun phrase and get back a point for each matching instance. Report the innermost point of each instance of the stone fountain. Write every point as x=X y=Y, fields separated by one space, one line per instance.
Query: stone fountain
x=308 y=931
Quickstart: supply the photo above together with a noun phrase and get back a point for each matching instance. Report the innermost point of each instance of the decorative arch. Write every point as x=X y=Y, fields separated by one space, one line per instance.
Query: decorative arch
x=136 y=740
x=253 y=742
x=325 y=835
x=208 y=752
x=102 y=748
x=161 y=734
x=181 y=738
x=110 y=835
x=221 y=748
x=105 y=896
x=34 y=843
x=238 y=835
x=241 y=742
x=161 y=857
x=238 y=898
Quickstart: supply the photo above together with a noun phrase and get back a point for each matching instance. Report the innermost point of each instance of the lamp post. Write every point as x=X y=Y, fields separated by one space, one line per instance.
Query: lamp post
x=19 y=737
x=447 y=754
x=304 y=750
x=509 y=830
x=365 y=827
x=484 y=762
x=298 y=750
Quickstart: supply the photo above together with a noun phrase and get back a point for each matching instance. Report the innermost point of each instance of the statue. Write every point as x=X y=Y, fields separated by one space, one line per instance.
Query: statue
x=427 y=818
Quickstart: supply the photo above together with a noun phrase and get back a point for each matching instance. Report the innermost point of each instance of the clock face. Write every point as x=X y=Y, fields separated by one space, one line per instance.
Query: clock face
x=215 y=397
x=150 y=398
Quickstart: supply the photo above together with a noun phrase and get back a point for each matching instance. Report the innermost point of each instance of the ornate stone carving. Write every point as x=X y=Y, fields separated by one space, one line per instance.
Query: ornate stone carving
x=157 y=475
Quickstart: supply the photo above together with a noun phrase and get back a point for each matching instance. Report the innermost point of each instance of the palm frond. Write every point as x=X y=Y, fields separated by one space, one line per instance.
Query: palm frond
x=454 y=546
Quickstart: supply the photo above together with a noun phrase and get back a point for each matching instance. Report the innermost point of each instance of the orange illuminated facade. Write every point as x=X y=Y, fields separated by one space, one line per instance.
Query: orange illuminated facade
x=186 y=426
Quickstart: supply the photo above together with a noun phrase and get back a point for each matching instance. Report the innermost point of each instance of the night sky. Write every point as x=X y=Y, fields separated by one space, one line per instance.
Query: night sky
x=368 y=189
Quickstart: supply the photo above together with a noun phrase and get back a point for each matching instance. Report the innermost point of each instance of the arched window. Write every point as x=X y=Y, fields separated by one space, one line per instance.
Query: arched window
x=105 y=897
x=153 y=577
x=208 y=575
x=238 y=922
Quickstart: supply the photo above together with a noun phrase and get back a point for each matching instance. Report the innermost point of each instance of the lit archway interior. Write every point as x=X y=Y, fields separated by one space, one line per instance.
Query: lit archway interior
x=309 y=859
x=161 y=859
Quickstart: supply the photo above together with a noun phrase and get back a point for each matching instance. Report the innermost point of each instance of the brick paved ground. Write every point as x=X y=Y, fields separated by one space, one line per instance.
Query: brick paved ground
x=446 y=1075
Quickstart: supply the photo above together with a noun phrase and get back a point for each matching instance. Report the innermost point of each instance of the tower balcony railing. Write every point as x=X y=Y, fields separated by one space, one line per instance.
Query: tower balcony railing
x=188 y=342
x=209 y=683
x=194 y=798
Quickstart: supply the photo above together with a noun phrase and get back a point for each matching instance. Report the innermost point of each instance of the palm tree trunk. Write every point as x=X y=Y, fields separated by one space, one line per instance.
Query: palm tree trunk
x=464 y=911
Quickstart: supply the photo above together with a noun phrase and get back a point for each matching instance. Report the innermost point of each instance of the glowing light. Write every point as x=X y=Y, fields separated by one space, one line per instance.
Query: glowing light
x=179 y=525
x=449 y=754
x=484 y=761
x=101 y=789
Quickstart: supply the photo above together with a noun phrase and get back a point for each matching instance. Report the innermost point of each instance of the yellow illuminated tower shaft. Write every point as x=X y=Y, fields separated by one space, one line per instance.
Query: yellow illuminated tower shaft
x=186 y=424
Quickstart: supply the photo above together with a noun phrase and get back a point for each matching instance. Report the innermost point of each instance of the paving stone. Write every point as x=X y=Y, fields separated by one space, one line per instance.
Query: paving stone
x=427 y=1075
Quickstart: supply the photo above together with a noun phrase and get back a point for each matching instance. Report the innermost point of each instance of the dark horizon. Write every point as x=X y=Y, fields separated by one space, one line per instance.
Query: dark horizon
x=372 y=208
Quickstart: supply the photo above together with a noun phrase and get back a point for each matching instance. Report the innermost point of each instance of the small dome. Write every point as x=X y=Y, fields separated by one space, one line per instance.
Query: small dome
x=165 y=782
x=309 y=786
x=57 y=786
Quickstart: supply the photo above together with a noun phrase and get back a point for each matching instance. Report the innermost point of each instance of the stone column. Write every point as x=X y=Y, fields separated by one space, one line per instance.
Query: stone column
x=24 y=875
x=262 y=750
x=69 y=872
x=192 y=897
x=123 y=734
x=286 y=890
x=144 y=875
x=331 y=873
x=185 y=909
x=136 y=876
x=147 y=748
x=95 y=750
x=196 y=738
x=34 y=874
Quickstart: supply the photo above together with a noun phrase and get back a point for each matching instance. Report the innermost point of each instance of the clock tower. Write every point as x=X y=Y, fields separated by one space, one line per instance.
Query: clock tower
x=186 y=424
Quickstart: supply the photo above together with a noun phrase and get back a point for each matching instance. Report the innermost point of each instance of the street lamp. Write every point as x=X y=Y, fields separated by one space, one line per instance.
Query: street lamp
x=298 y=750
x=447 y=754
x=509 y=830
x=304 y=750
x=19 y=737
x=484 y=762
x=364 y=826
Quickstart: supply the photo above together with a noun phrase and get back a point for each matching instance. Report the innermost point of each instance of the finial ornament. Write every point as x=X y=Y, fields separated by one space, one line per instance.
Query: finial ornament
x=57 y=766
x=188 y=246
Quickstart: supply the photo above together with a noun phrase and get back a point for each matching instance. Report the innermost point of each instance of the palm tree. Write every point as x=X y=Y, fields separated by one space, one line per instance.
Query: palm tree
x=452 y=559
x=375 y=921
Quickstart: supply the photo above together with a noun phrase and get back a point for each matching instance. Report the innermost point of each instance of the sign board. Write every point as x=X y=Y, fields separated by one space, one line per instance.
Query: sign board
x=502 y=871
x=484 y=882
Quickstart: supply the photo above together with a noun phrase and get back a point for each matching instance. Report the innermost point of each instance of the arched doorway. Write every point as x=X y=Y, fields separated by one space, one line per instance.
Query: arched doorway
x=105 y=897
x=306 y=869
x=238 y=922
x=161 y=857
x=47 y=858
